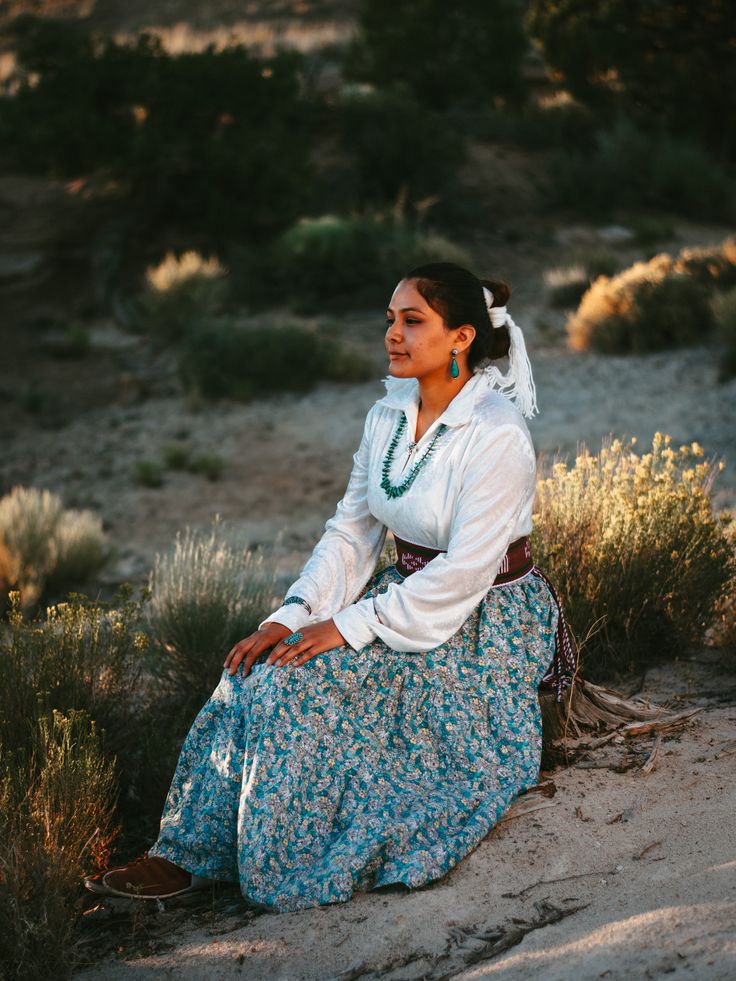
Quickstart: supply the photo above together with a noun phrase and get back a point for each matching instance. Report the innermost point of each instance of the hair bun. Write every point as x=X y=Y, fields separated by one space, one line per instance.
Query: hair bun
x=501 y=292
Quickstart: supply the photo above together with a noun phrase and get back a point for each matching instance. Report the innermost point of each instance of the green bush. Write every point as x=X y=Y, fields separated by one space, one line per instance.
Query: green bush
x=224 y=360
x=648 y=307
x=213 y=142
x=82 y=655
x=332 y=259
x=475 y=57
x=395 y=148
x=57 y=807
x=90 y=656
x=44 y=544
x=611 y=59
x=562 y=122
x=181 y=292
x=210 y=465
x=69 y=732
x=724 y=312
x=177 y=456
x=635 y=550
x=208 y=592
x=633 y=168
x=148 y=473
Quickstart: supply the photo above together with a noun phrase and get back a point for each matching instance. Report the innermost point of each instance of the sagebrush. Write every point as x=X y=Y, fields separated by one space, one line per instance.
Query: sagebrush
x=206 y=593
x=654 y=305
x=44 y=543
x=57 y=807
x=182 y=291
x=635 y=549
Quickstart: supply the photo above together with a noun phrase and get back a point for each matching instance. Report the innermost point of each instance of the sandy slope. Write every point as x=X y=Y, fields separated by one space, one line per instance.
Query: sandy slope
x=646 y=863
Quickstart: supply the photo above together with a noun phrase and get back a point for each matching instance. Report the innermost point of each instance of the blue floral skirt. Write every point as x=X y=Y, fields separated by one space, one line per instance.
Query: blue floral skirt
x=360 y=769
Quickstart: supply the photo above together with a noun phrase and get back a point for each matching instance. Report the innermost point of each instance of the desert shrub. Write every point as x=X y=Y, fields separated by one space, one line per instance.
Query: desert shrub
x=649 y=230
x=636 y=168
x=713 y=265
x=394 y=147
x=633 y=546
x=611 y=60
x=533 y=126
x=648 y=307
x=177 y=455
x=723 y=632
x=181 y=292
x=90 y=656
x=81 y=547
x=475 y=57
x=28 y=521
x=213 y=142
x=225 y=360
x=57 y=807
x=724 y=312
x=45 y=543
x=332 y=258
x=210 y=465
x=81 y=655
x=148 y=473
x=567 y=284
x=208 y=592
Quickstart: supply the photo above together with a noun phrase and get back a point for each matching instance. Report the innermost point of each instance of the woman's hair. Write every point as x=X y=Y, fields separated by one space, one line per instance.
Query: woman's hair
x=457 y=296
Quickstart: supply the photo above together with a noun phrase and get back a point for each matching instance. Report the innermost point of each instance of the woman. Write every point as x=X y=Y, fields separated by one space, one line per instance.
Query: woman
x=377 y=725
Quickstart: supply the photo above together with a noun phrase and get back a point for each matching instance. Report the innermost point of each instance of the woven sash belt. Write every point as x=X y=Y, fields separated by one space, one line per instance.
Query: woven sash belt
x=516 y=563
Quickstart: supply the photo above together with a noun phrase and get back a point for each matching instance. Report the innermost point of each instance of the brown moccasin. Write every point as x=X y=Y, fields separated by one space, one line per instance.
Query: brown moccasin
x=145 y=878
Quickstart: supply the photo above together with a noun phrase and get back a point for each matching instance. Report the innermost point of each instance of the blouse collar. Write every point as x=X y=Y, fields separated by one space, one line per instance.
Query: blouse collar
x=403 y=393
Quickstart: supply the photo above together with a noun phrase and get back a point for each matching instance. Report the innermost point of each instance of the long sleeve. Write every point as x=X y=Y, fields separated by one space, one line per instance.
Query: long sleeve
x=345 y=556
x=430 y=605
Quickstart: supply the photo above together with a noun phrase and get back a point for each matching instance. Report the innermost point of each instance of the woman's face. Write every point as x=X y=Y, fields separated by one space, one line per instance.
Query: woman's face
x=417 y=342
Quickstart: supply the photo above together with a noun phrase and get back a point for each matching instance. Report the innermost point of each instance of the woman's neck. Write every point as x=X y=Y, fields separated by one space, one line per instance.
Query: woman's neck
x=436 y=394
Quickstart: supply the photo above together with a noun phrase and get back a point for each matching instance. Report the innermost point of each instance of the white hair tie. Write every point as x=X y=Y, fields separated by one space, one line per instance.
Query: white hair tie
x=517 y=384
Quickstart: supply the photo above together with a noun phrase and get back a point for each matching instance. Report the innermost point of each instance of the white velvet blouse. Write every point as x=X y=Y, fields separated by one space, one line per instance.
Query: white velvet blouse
x=472 y=498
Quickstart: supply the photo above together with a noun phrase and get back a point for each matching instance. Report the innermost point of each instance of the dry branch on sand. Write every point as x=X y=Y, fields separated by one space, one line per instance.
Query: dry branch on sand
x=591 y=715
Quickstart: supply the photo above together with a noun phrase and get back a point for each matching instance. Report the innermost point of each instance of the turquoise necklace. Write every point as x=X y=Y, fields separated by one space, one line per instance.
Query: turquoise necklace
x=393 y=490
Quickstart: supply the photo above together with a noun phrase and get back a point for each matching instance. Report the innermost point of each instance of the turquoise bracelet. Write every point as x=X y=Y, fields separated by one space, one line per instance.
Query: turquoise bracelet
x=298 y=599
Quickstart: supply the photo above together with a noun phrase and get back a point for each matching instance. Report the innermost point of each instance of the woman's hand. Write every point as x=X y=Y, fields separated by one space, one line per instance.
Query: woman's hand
x=316 y=638
x=250 y=648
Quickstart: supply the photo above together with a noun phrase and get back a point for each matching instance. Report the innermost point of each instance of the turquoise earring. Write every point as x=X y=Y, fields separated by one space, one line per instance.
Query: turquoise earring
x=454 y=370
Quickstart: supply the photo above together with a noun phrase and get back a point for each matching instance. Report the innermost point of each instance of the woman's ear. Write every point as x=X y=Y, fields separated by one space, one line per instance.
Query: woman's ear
x=464 y=335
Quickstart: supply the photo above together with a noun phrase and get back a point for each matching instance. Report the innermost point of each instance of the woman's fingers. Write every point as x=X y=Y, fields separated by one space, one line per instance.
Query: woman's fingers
x=243 y=650
x=306 y=656
x=291 y=654
x=236 y=648
x=283 y=652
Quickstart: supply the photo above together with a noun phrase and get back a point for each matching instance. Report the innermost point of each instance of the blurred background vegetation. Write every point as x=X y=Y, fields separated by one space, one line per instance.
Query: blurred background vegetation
x=221 y=195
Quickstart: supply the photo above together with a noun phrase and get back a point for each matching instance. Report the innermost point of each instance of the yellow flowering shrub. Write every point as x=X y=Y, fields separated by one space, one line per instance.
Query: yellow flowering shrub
x=634 y=548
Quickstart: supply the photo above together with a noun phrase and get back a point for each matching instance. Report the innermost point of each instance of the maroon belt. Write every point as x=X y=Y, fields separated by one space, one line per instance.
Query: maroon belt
x=517 y=562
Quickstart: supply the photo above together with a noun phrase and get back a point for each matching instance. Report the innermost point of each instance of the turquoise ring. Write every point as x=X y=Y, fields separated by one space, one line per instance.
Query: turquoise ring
x=293 y=638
